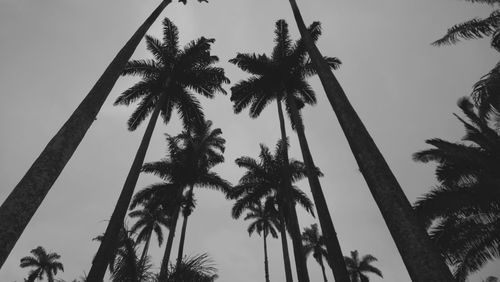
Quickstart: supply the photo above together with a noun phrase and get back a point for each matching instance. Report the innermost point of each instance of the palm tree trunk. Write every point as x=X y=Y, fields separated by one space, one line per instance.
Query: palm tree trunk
x=146 y=247
x=22 y=203
x=293 y=228
x=183 y=234
x=284 y=243
x=421 y=258
x=322 y=268
x=170 y=241
x=331 y=240
x=100 y=262
x=266 y=262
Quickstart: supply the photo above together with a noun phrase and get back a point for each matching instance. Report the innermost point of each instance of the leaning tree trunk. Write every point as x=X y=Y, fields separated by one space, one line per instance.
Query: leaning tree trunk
x=284 y=243
x=100 y=262
x=266 y=262
x=320 y=261
x=335 y=256
x=294 y=228
x=146 y=247
x=183 y=233
x=170 y=240
x=24 y=200
x=422 y=260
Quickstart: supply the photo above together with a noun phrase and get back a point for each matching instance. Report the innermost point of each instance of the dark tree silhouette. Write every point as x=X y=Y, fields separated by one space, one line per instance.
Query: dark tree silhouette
x=359 y=268
x=421 y=258
x=283 y=77
x=463 y=213
x=199 y=268
x=314 y=244
x=22 y=203
x=165 y=85
x=43 y=263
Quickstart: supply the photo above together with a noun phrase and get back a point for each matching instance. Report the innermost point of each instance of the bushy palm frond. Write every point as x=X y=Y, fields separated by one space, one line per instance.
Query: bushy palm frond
x=43 y=263
x=359 y=268
x=198 y=268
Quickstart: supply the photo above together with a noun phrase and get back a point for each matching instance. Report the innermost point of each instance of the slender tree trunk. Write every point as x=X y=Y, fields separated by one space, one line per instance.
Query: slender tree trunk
x=293 y=228
x=101 y=260
x=284 y=243
x=266 y=262
x=422 y=260
x=170 y=240
x=183 y=234
x=320 y=261
x=146 y=247
x=22 y=203
x=331 y=241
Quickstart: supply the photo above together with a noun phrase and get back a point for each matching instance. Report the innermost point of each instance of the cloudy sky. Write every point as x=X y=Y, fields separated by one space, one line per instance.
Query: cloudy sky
x=404 y=90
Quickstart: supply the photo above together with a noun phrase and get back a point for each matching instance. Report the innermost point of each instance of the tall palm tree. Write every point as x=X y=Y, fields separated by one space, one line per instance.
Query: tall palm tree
x=421 y=258
x=486 y=92
x=186 y=168
x=264 y=222
x=359 y=268
x=43 y=263
x=463 y=213
x=165 y=85
x=264 y=179
x=283 y=77
x=150 y=219
x=314 y=244
x=22 y=203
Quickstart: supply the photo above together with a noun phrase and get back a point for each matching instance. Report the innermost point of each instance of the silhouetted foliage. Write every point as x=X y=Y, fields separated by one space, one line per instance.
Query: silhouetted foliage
x=463 y=212
x=359 y=268
x=42 y=263
x=314 y=244
x=199 y=268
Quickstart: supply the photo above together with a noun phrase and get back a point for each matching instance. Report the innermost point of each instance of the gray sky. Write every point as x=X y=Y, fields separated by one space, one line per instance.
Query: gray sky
x=404 y=90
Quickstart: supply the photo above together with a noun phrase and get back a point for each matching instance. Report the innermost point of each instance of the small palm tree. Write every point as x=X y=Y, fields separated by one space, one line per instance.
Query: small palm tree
x=127 y=266
x=198 y=268
x=314 y=244
x=264 y=222
x=358 y=269
x=43 y=263
x=167 y=82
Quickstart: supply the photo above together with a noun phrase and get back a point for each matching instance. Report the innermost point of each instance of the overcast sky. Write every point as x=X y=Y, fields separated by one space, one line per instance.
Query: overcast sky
x=404 y=89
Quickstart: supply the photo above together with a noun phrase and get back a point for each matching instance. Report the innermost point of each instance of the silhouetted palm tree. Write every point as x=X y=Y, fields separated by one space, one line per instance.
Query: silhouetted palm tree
x=24 y=200
x=314 y=244
x=149 y=219
x=165 y=85
x=264 y=222
x=127 y=266
x=264 y=179
x=486 y=92
x=199 y=268
x=283 y=77
x=359 y=268
x=422 y=260
x=188 y=166
x=463 y=212
x=43 y=263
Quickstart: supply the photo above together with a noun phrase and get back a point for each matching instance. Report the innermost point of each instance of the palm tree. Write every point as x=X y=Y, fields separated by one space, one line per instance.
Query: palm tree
x=188 y=167
x=283 y=77
x=264 y=179
x=165 y=85
x=359 y=268
x=264 y=221
x=314 y=244
x=486 y=92
x=463 y=213
x=43 y=263
x=149 y=219
x=22 y=203
x=199 y=268
x=422 y=260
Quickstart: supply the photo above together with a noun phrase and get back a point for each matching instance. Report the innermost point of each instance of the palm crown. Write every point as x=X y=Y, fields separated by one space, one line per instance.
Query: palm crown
x=358 y=268
x=43 y=263
x=173 y=72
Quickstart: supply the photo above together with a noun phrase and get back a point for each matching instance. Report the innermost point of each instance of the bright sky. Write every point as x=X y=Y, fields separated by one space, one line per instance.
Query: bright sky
x=405 y=91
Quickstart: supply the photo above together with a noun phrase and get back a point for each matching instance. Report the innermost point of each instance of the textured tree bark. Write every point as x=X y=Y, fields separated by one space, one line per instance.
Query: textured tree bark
x=27 y=196
x=422 y=260
x=170 y=242
x=266 y=262
x=329 y=234
x=183 y=235
x=293 y=228
x=284 y=243
x=105 y=251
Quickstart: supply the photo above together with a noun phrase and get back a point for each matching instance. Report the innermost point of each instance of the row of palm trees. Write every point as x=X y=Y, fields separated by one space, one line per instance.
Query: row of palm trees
x=282 y=77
